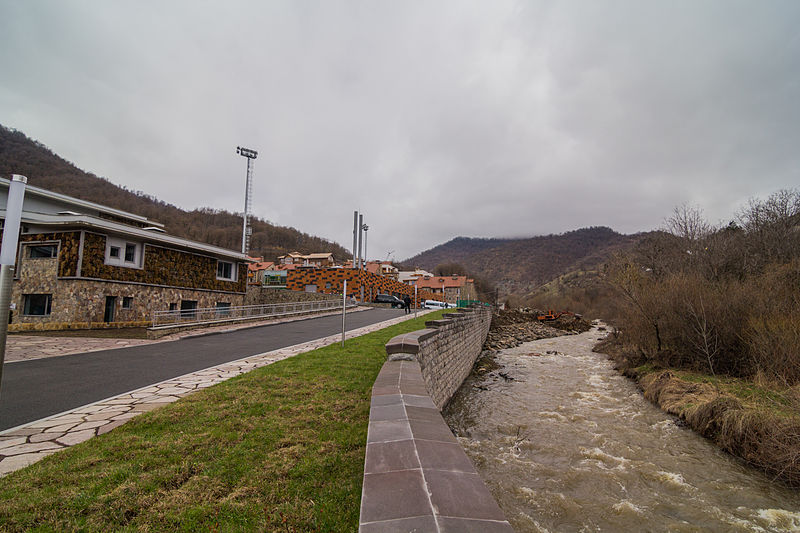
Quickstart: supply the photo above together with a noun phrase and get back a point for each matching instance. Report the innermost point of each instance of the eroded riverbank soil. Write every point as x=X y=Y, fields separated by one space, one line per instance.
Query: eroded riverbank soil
x=566 y=443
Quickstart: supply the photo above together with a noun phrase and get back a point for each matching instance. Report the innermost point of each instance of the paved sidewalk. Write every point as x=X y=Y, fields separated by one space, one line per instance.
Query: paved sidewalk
x=29 y=347
x=24 y=445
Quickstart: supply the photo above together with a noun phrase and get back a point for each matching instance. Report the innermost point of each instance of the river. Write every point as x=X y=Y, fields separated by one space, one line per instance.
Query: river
x=565 y=443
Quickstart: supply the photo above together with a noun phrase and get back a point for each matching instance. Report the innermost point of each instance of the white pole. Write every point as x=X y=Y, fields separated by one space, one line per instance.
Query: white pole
x=8 y=255
x=344 y=308
x=355 y=239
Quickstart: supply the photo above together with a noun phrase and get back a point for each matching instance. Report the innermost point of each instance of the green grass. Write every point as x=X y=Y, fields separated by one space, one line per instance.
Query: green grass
x=278 y=449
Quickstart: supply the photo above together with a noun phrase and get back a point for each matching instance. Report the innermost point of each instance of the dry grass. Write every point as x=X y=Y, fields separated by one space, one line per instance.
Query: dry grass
x=757 y=427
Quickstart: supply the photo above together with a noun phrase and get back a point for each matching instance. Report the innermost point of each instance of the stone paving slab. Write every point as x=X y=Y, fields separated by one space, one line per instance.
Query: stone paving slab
x=29 y=347
x=416 y=475
x=24 y=445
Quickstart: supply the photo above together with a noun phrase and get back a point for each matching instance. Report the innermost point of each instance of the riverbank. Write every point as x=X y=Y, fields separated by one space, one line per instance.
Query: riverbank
x=759 y=424
x=566 y=443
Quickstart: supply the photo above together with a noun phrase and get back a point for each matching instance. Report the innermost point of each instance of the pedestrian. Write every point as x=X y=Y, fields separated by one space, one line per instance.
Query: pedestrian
x=407 y=302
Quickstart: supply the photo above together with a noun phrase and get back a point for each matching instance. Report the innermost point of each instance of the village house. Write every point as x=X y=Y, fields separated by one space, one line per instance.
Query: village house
x=81 y=264
x=257 y=270
x=382 y=268
x=449 y=289
x=317 y=260
x=410 y=276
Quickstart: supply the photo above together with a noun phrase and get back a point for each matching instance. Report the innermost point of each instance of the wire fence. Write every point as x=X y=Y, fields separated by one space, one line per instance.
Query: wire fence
x=211 y=315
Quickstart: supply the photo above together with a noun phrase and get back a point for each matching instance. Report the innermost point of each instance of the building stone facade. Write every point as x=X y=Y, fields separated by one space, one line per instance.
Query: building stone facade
x=83 y=265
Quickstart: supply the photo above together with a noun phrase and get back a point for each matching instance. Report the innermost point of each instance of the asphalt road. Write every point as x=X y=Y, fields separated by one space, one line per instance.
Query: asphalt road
x=42 y=387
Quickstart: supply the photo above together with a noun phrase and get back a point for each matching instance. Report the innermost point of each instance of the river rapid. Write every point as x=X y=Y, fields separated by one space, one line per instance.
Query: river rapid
x=565 y=443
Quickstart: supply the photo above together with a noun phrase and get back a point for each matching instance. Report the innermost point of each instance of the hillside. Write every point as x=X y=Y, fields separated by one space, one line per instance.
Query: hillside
x=45 y=169
x=517 y=266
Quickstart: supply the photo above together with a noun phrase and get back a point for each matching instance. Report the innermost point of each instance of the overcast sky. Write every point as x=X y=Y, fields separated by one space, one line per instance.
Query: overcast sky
x=435 y=119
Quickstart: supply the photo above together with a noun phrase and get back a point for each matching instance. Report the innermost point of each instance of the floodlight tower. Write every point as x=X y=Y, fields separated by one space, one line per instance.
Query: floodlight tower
x=365 y=228
x=248 y=197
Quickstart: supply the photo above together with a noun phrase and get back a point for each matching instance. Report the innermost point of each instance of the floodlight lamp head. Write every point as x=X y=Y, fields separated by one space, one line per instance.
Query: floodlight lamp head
x=246 y=152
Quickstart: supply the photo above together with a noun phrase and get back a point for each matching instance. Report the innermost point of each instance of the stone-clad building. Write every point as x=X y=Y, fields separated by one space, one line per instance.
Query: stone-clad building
x=81 y=264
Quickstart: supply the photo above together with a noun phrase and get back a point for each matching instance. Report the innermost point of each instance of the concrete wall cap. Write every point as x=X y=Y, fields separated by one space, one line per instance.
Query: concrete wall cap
x=409 y=342
x=438 y=323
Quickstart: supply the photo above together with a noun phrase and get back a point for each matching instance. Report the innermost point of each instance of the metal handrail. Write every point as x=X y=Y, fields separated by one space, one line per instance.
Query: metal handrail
x=208 y=315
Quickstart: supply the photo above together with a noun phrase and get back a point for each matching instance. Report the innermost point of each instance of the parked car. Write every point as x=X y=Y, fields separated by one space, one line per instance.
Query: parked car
x=389 y=299
x=436 y=304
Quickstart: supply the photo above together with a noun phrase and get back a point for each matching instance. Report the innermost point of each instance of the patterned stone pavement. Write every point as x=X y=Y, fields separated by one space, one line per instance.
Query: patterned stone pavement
x=24 y=445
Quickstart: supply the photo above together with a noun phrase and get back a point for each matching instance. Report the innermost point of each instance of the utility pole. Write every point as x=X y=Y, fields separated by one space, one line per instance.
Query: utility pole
x=360 y=229
x=8 y=255
x=355 y=239
x=248 y=193
x=365 y=228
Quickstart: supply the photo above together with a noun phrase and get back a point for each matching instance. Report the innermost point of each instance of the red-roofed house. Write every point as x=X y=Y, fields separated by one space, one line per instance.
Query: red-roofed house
x=450 y=288
x=257 y=269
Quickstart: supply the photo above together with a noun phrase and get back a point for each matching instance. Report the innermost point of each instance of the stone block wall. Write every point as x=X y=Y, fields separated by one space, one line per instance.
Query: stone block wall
x=162 y=266
x=68 y=248
x=446 y=350
x=80 y=304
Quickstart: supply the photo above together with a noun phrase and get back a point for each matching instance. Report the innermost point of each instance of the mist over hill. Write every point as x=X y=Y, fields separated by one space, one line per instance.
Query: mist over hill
x=22 y=155
x=517 y=266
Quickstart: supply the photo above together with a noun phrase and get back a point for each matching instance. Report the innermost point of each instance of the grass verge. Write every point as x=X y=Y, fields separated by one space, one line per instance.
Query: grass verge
x=280 y=448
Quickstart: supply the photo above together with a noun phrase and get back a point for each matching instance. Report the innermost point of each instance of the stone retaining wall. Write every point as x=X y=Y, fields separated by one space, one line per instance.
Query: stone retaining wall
x=416 y=476
x=257 y=295
x=446 y=350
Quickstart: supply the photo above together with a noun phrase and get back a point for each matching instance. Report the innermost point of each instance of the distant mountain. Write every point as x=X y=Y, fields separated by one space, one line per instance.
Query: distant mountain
x=45 y=169
x=518 y=266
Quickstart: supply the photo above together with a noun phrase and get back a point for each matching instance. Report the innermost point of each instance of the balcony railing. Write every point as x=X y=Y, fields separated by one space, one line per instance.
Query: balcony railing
x=213 y=315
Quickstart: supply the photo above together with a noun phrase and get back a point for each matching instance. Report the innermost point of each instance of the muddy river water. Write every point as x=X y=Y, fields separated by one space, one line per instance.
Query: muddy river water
x=565 y=443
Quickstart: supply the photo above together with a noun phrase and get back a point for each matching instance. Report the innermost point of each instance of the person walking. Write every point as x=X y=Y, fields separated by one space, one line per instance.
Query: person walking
x=407 y=302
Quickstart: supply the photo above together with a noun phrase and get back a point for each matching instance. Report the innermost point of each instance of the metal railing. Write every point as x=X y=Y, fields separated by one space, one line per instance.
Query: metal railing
x=210 y=315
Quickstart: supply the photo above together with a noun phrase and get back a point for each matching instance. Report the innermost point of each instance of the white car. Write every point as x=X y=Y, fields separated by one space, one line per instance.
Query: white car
x=435 y=304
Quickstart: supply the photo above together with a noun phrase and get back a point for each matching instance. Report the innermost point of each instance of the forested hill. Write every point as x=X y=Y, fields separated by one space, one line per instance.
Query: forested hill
x=21 y=155
x=520 y=265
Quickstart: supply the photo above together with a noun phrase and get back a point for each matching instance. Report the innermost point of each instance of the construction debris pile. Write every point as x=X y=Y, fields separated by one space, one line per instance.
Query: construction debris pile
x=512 y=328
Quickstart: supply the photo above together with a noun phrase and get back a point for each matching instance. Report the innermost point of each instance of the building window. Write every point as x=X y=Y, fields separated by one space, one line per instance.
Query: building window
x=124 y=253
x=223 y=308
x=40 y=251
x=327 y=284
x=188 y=308
x=173 y=306
x=127 y=302
x=37 y=304
x=130 y=253
x=225 y=271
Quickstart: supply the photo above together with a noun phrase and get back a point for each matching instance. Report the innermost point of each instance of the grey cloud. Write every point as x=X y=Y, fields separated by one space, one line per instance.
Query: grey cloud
x=434 y=119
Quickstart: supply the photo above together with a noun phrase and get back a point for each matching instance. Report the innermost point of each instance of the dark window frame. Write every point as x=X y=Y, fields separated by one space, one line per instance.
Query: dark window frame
x=29 y=299
x=127 y=302
x=222 y=266
x=130 y=251
x=52 y=247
